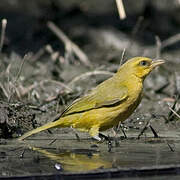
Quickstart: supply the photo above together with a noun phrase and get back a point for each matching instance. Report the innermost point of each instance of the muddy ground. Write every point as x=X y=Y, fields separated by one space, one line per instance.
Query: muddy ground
x=41 y=74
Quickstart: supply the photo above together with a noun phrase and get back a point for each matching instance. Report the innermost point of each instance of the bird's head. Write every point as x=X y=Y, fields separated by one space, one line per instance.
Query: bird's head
x=140 y=66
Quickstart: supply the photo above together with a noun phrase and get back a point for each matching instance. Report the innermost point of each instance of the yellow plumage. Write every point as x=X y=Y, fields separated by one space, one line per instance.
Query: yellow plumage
x=112 y=101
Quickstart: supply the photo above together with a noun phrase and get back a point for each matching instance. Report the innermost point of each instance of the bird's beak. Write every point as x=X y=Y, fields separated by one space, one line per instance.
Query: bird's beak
x=157 y=63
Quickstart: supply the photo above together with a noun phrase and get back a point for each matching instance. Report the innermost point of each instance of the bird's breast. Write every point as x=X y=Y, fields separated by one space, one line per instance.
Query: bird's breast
x=124 y=110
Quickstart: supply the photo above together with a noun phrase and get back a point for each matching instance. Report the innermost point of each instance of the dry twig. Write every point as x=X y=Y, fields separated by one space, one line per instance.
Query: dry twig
x=172 y=40
x=25 y=90
x=4 y=23
x=53 y=54
x=158 y=47
x=122 y=57
x=38 y=54
x=4 y=90
x=69 y=44
x=121 y=10
x=21 y=66
x=145 y=128
x=56 y=82
x=174 y=112
x=17 y=77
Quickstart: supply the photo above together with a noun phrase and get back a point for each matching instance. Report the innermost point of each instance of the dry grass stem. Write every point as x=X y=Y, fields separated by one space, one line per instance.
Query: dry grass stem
x=170 y=147
x=17 y=92
x=177 y=83
x=4 y=90
x=87 y=74
x=16 y=78
x=49 y=49
x=158 y=47
x=122 y=57
x=69 y=44
x=170 y=41
x=174 y=112
x=7 y=72
x=144 y=129
x=3 y=30
x=21 y=67
x=25 y=90
x=51 y=98
x=38 y=54
x=121 y=10
x=53 y=54
x=56 y=82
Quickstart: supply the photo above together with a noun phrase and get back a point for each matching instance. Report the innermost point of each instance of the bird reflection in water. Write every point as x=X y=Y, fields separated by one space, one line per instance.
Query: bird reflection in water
x=77 y=160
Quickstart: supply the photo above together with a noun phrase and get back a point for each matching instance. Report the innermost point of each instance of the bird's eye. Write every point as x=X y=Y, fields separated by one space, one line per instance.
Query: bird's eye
x=144 y=63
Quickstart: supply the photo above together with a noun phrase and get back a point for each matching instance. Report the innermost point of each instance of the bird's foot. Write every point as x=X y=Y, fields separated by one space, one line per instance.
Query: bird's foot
x=97 y=138
x=101 y=138
x=107 y=139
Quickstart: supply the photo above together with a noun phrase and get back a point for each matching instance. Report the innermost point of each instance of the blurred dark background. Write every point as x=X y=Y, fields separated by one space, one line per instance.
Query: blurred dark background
x=27 y=30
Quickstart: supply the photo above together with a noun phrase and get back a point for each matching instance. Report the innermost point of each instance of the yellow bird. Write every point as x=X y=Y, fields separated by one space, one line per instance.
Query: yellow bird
x=76 y=162
x=111 y=102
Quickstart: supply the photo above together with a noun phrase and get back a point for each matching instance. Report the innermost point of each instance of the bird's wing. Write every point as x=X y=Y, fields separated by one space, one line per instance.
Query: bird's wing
x=102 y=96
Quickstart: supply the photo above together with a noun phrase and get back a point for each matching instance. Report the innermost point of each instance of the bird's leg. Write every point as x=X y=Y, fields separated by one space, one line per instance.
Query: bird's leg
x=108 y=141
x=94 y=132
x=116 y=130
x=102 y=136
x=97 y=138
x=122 y=129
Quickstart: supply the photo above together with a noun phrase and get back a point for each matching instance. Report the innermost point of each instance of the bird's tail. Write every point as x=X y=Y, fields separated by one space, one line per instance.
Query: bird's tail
x=41 y=128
